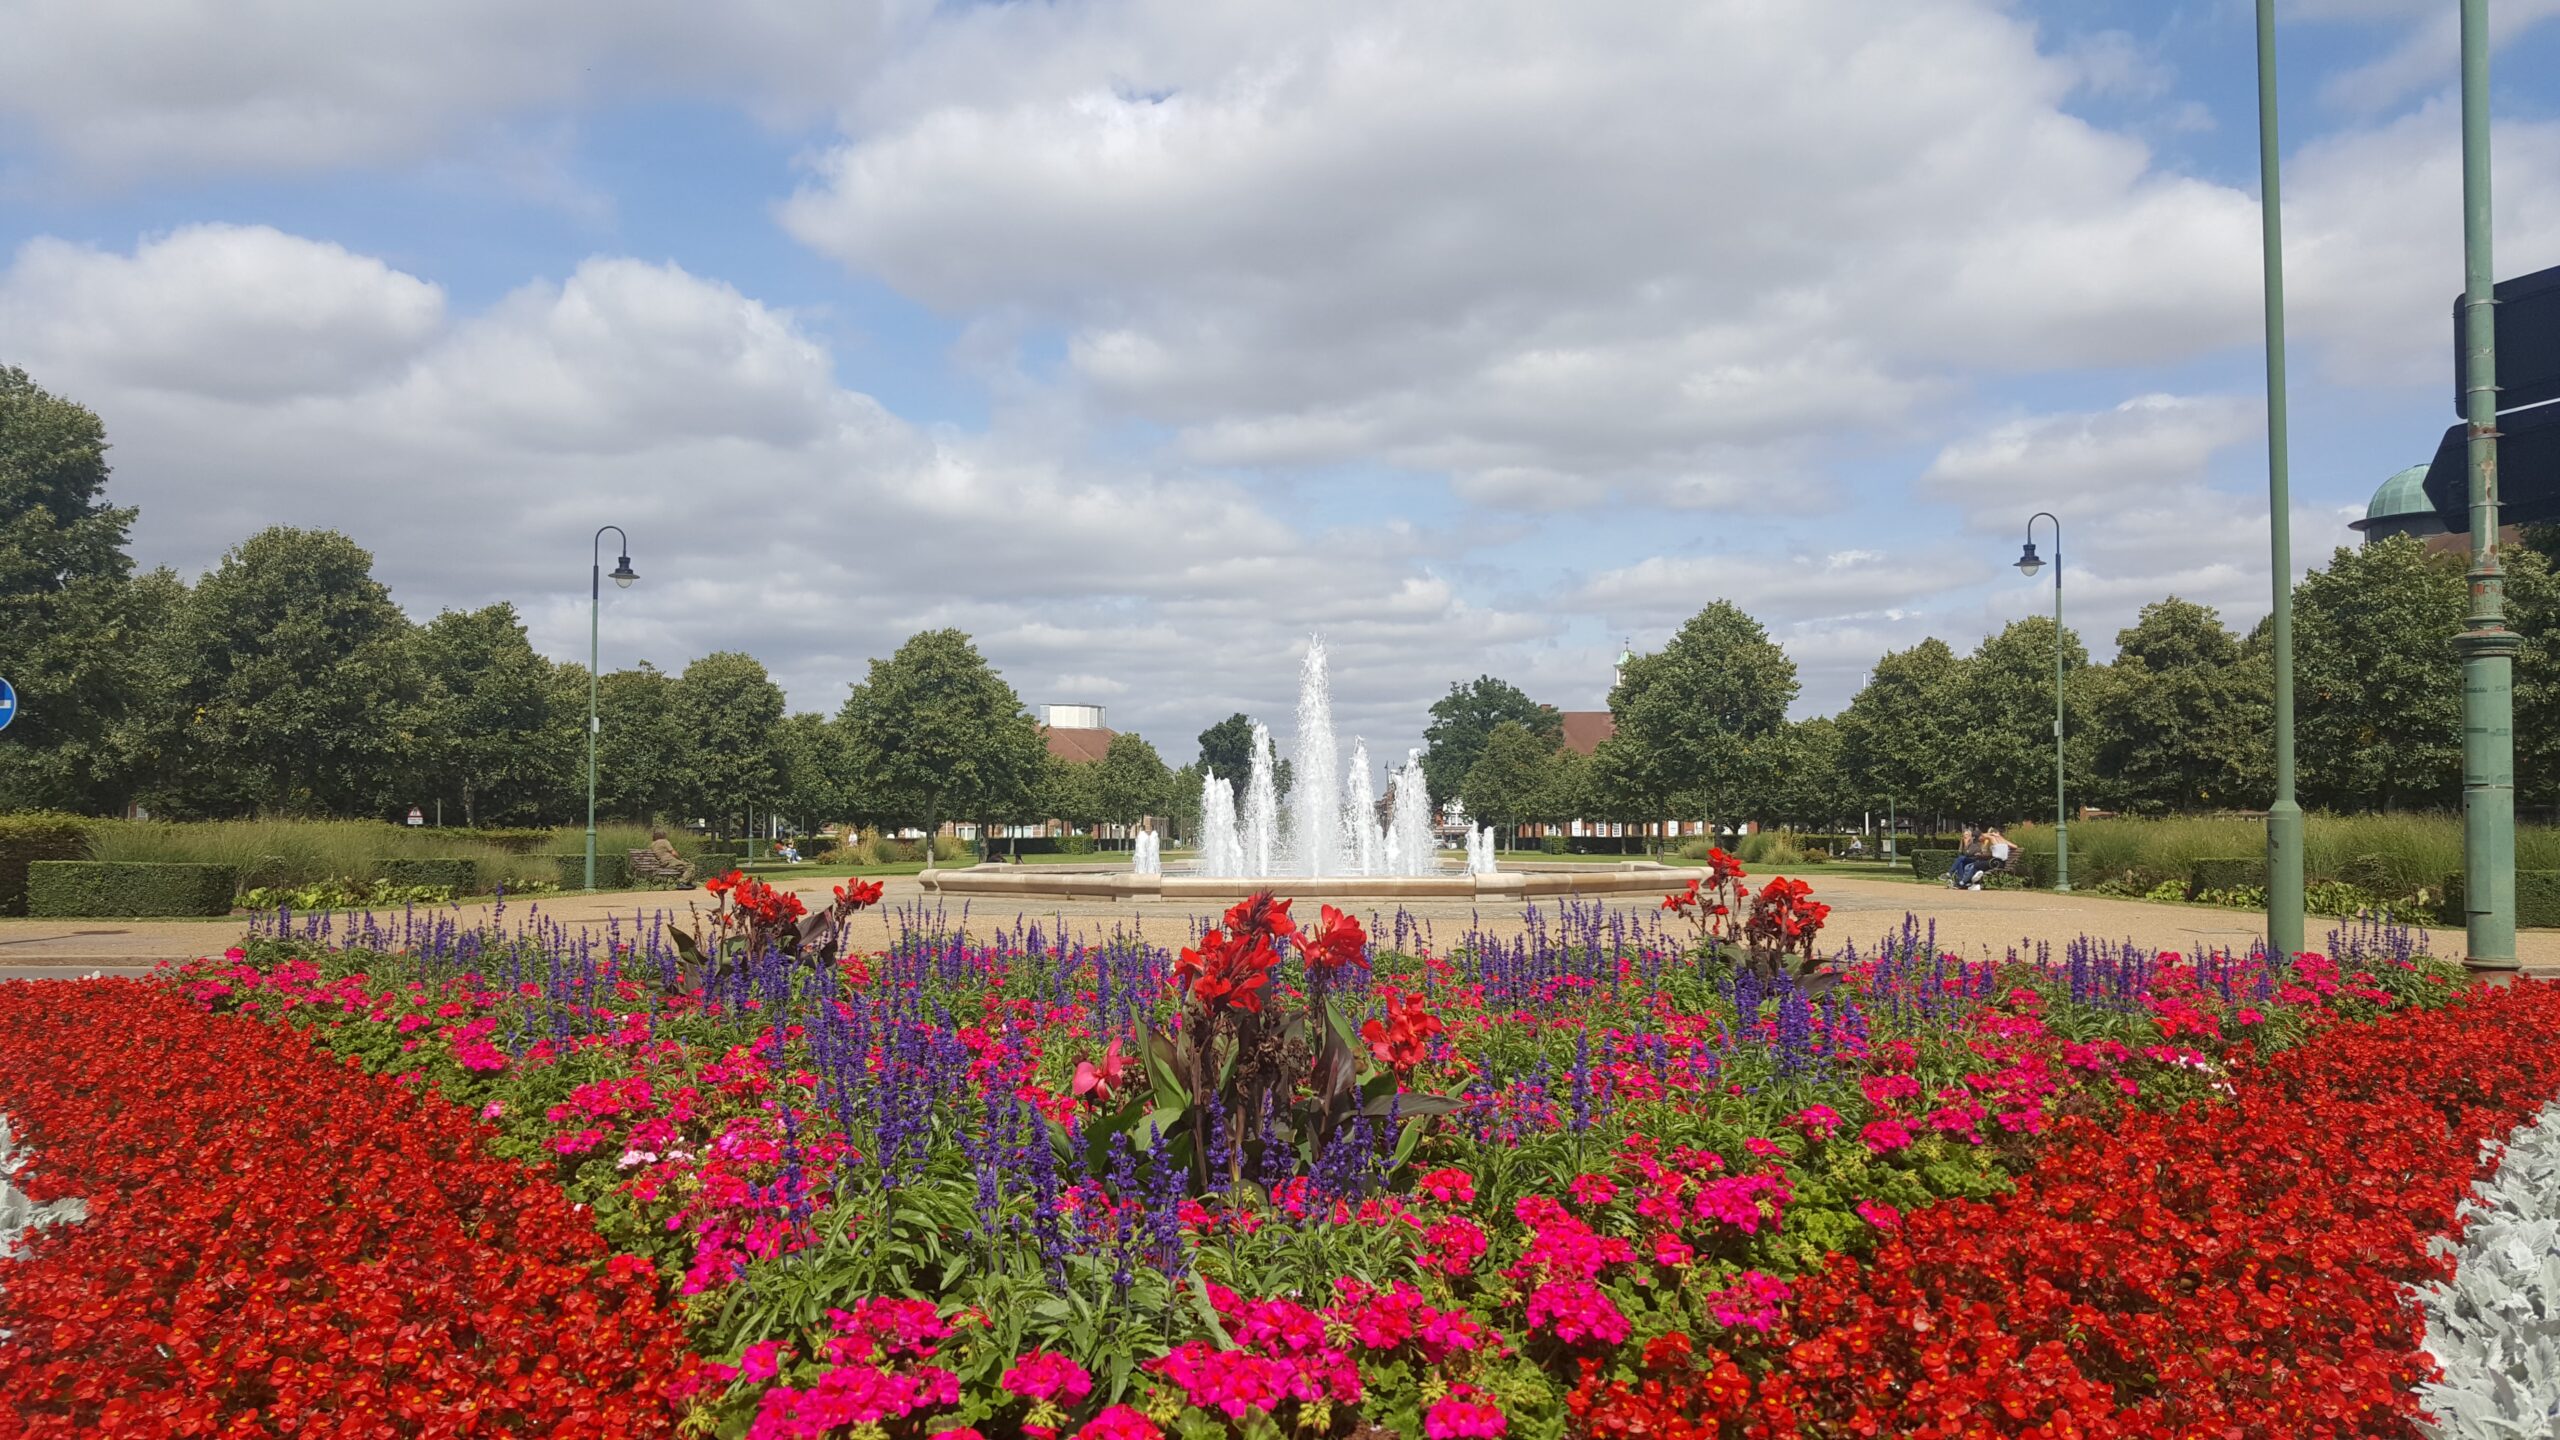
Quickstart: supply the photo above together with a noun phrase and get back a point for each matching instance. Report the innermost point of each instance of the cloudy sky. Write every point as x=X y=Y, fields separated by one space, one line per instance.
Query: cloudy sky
x=1143 y=339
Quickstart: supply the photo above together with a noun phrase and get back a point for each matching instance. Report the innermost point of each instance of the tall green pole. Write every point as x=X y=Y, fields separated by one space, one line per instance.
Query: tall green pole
x=2487 y=647
x=2284 y=817
x=595 y=602
x=2061 y=806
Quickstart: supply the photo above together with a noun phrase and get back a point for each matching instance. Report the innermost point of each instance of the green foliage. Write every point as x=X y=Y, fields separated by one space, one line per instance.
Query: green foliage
x=1131 y=781
x=292 y=682
x=2001 y=756
x=2537 y=898
x=2227 y=872
x=74 y=624
x=270 y=853
x=613 y=867
x=2377 y=687
x=641 y=745
x=343 y=895
x=1463 y=723
x=1809 y=782
x=1075 y=844
x=453 y=876
x=1512 y=782
x=818 y=783
x=490 y=738
x=31 y=837
x=1696 y=721
x=729 y=713
x=936 y=734
x=2179 y=721
x=1931 y=863
x=1897 y=739
x=87 y=888
x=1552 y=845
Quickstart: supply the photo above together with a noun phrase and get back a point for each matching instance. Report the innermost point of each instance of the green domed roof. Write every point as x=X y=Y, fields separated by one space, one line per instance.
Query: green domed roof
x=2402 y=494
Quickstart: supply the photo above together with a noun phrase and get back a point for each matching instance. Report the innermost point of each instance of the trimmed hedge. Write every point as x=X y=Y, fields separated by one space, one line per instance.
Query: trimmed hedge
x=126 y=888
x=1931 y=864
x=2233 y=872
x=613 y=869
x=2537 y=900
x=37 y=835
x=462 y=877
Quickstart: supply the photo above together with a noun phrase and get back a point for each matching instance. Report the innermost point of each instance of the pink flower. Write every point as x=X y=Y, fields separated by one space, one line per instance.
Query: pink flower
x=1765 y=1148
x=1449 y=1187
x=1818 y=1122
x=1120 y=1422
x=1042 y=1375
x=1879 y=1214
x=1462 y=1414
x=1577 y=1310
x=1592 y=1190
x=1670 y=1249
x=1885 y=1136
x=762 y=1360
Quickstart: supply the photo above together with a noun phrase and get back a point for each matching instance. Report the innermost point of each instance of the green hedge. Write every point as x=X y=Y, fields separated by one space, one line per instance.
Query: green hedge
x=121 y=888
x=2033 y=869
x=37 y=835
x=613 y=869
x=1932 y=864
x=2231 y=872
x=461 y=876
x=2537 y=900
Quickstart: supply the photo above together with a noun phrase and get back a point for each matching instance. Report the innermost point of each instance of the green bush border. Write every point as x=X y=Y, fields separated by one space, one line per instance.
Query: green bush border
x=120 y=889
x=613 y=869
x=36 y=835
x=461 y=876
x=2227 y=873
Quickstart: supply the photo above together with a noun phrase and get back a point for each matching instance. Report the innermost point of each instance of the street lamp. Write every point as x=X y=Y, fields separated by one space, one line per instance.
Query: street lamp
x=623 y=575
x=2028 y=564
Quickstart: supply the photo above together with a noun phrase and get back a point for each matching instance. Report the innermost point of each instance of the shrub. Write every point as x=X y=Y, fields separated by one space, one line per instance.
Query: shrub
x=35 y=836
x=86 y=888
x=1932 y=863
x=613 y=867
x=343 y=895
x=1551 y=845
x=2537 y=899
x=310 y=852
x=1075 y=844
x=2227 y=872
x=459 y=877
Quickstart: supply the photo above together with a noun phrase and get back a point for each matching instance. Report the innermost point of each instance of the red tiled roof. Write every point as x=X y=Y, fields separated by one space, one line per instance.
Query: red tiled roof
x=1078 y=745
x=1585 y=729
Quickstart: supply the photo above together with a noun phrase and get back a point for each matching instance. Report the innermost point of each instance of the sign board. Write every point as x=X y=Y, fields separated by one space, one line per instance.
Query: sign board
x=2528 y=471
x=8 y=704
x=417 y=816
x=2528 y=324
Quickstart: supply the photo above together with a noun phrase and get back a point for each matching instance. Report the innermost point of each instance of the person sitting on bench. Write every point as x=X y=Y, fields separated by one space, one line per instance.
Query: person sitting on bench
x=1992 y=854
x=663 y=851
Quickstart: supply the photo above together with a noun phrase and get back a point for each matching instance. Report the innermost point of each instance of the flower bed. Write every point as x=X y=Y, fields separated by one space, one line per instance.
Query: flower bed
x=1029 y=1184
x=279 y=1243
x=2494 y=1326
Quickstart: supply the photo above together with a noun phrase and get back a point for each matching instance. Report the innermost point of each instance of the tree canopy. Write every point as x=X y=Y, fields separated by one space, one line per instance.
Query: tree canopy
x=1463 y=722
x=935 y=734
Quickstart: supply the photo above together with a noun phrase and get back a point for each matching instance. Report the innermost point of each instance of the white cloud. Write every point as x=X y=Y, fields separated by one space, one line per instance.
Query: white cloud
x=2428 y=53
x=1543 y=250
x=120 y=87
x=769 y=509
x=230 y=312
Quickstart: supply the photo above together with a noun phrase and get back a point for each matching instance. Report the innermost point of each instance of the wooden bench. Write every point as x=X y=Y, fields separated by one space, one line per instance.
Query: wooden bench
x=647 y=864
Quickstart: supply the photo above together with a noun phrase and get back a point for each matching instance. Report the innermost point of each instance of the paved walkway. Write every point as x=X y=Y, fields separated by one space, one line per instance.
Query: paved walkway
x=1974 y=923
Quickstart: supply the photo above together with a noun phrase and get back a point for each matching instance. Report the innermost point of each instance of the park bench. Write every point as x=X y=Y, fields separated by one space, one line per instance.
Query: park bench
x=648 y=865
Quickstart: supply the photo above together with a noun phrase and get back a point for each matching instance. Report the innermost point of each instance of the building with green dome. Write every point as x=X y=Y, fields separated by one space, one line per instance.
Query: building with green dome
x=2401 y=507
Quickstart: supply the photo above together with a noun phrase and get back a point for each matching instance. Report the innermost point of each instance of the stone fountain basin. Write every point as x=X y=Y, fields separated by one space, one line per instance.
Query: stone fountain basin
x=1116 y=882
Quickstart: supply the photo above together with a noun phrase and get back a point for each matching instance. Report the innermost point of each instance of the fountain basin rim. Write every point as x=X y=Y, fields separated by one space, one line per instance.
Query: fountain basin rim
x=1079 y=883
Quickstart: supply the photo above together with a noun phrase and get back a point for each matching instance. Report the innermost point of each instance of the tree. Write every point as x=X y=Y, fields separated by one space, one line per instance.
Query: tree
x=487 y=738
x=1508 y=785
x=293 y=685
x=74 y=631
x=1226 y=748
x=1809 y=785
x=1131 y=780
x=2001 y=709
x=1898 y=737
x=2178 y=720
x=1182 y=805
x=935 y=733
x=640 y=743
x=1463 y=722
x=729 y=712
x=817 y=779
x=2377 y=688
x=1071 y=790
x=1695 y=719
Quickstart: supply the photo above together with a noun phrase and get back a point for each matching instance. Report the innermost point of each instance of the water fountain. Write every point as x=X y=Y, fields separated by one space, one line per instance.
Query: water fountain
x=1325 y=839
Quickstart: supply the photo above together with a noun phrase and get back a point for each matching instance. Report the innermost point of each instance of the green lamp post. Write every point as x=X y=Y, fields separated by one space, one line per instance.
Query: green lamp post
x=2284 y=813
x=2028 y=564
x=623 y=575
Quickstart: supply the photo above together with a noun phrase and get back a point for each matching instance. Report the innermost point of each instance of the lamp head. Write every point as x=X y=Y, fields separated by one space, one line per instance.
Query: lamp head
x=623 y=574
x=2028 y=563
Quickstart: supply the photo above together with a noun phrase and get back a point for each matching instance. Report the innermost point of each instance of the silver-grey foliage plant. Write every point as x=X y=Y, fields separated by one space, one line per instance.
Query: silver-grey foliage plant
x=2494 y=1328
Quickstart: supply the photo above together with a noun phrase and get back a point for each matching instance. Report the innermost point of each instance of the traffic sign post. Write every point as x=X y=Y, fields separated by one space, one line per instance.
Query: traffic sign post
x=8 y=704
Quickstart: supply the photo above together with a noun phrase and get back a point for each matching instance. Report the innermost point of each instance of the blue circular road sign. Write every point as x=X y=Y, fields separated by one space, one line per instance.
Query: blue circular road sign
x=8 y=704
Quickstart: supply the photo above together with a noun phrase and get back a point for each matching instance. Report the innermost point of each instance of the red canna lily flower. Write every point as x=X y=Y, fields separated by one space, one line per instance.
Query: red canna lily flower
x=1336 y=941
x=856 y=894
x=1262 y=914
x=1405 y=1037
x=1101 y=1081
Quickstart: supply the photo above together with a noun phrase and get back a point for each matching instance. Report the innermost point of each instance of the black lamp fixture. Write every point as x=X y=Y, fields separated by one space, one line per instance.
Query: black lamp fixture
x=623 y=574
x=2028 y=563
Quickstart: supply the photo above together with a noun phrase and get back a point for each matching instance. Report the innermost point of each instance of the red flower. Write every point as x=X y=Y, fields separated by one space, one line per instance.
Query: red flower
x=1405 y=1038
x=1228 y=971
x=1263 y=915
x=1338 y=941
x=856 y=894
